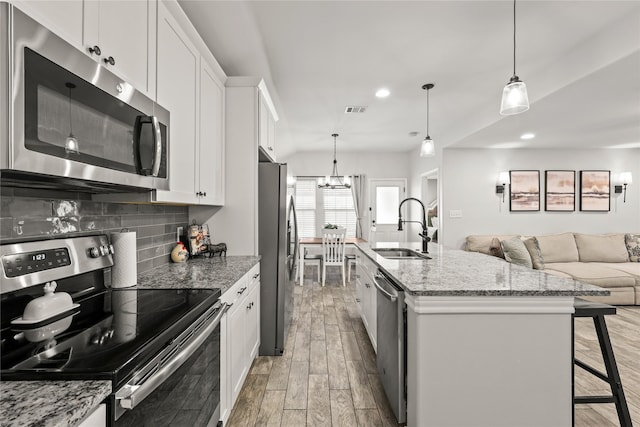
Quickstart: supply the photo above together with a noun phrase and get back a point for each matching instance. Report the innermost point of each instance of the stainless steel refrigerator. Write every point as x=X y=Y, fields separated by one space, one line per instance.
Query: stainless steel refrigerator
x=278 y=246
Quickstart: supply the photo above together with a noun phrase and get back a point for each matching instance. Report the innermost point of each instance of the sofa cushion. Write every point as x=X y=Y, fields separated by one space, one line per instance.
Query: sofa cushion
x=601 y=247
x=594 y=273
x=631 y=268
x=558 y=274
x=516 y=252
x=558 y=248
x=534 y=251
x=482 y=242
x=632 y=242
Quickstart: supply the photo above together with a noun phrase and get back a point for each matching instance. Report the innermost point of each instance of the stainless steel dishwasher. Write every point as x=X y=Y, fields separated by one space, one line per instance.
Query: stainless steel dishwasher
x=391 y=357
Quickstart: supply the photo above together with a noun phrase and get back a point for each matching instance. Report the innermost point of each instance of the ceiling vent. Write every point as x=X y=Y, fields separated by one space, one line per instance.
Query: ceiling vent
x=355 y=109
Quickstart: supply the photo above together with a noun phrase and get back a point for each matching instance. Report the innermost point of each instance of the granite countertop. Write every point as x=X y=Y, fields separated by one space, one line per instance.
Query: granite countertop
x=215 y=272
x=454 y=272
x=49 y=403
x=56 y=403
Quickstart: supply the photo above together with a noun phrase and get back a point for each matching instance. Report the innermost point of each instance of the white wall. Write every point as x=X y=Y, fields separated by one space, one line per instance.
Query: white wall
x=468 y=180
x=372 y=165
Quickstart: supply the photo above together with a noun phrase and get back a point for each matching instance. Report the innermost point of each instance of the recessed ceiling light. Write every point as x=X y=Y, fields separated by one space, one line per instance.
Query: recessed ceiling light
x=383 y=93
x=527 y=136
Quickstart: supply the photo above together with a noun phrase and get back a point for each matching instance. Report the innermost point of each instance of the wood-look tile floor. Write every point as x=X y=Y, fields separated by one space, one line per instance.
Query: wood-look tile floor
x=327 y=375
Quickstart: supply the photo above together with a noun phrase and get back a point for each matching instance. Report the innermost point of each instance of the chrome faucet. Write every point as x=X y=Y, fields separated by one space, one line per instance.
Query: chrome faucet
x=425 y=237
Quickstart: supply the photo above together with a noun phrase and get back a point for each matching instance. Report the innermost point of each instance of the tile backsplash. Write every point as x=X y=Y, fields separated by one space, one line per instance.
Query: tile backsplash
x=49 y=214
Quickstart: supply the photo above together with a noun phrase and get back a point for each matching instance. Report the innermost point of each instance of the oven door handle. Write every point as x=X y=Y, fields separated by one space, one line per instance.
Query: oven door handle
x=131 y=395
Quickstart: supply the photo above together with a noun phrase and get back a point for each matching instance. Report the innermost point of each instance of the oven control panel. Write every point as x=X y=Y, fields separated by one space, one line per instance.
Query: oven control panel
x=30 y=262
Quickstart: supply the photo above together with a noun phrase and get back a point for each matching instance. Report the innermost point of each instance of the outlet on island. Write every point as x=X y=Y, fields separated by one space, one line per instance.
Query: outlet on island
x=455 y=213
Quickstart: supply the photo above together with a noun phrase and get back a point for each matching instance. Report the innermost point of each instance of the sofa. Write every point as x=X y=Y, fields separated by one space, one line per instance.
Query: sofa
x=611 y=261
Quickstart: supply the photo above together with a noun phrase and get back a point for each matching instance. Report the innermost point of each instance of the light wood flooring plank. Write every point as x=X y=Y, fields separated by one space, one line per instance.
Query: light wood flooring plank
x=296 y=397
x=301 y=347
x=318 y=396
x=294 y=418
x=247 y=407
x=317 y=328
x=350 y=346
x=368 y=418
x=271 y=409
x=262 y=365
x=279 y=376
x=359 y=384
x=342 y=411
x=318 y=357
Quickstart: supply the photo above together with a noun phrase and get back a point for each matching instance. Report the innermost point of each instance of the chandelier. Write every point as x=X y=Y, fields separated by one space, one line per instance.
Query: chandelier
x=334 y=180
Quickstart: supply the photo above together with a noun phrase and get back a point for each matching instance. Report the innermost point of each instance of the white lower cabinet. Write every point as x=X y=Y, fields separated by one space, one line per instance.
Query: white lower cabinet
x=240 y=337
x=367 y=295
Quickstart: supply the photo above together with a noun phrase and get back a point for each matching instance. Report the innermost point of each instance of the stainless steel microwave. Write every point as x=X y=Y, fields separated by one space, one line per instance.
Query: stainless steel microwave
x=70 y=121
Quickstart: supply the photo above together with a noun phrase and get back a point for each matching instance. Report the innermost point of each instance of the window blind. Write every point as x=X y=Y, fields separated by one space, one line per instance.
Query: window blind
x=305 y=197
x=338 y=209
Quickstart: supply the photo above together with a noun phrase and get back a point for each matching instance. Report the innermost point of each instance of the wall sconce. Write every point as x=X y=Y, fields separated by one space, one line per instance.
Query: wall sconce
x=625 y=179
x=503 y=180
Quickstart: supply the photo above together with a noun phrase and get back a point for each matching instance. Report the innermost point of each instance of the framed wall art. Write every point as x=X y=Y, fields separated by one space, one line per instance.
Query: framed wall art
x=595 y=191
x=524 y=191
x=560 y=191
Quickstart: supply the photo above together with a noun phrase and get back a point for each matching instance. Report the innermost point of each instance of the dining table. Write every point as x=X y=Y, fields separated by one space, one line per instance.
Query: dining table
x=311 y=242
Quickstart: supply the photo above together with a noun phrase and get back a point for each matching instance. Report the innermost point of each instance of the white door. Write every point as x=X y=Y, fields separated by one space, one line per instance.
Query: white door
x=385 y=196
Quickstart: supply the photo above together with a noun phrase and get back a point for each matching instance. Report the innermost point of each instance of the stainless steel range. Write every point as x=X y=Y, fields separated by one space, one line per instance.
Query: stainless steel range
x=159 y=347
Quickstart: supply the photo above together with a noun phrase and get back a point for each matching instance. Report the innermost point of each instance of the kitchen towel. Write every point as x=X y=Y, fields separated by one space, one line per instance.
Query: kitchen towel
x=125 y=269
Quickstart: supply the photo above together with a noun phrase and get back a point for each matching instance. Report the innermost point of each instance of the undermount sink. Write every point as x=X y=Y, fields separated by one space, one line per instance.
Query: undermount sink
x=400 y=253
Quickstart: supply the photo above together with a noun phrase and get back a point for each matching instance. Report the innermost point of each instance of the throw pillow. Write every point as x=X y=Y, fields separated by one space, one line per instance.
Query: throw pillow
x=633 y=246
x=516 y=252
x=558 y=248
x=534 y=251
x=495 y=248
x=602 y=247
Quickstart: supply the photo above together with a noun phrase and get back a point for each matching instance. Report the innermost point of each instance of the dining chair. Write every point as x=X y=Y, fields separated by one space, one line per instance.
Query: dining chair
x=333 y=240
x=312 y=257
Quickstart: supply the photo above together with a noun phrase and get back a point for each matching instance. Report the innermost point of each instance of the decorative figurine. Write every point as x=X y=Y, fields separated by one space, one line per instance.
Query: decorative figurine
x=220 y=248
x=179 y=253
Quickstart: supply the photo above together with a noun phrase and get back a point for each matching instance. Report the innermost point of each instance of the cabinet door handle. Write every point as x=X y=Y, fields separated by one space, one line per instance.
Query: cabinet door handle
x=255 y=276
x=270 y=148
x=250 y=306
x=95 y=50
x=241 y=291
x=109 y=60
x=204 y=194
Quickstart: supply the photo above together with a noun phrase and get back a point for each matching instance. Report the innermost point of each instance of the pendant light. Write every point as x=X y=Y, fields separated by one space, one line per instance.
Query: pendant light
x=71 y=143
x=514 y=95
x=428 y=148
x=334 y=180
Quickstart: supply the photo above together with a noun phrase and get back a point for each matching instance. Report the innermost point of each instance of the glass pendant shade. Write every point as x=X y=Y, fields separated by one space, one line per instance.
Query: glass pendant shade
x=514 y=97
x=428 y=148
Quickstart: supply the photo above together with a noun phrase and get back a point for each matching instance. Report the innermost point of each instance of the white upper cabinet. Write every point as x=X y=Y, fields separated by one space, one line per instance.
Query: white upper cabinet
x=118 y=34
x=125 y=33
x=63 y=17
x=210 y=161
x=267 y=119
x=178 y=69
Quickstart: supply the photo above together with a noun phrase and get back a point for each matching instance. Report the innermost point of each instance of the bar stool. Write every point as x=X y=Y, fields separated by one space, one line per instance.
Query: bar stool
x=597 y=311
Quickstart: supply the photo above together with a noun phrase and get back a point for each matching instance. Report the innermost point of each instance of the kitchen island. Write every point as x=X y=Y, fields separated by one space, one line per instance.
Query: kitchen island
x=489 y=343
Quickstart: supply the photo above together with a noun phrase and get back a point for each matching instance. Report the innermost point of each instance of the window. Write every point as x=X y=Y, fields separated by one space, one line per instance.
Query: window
x=316 y=207
x=305 y=199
